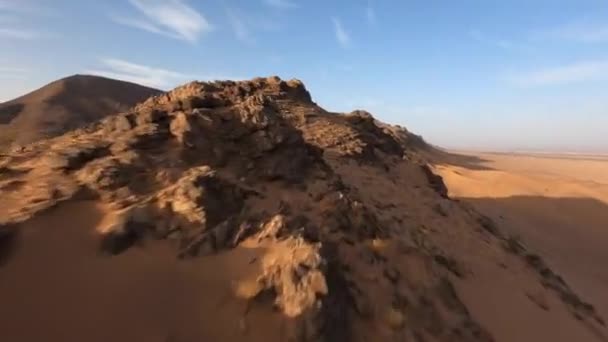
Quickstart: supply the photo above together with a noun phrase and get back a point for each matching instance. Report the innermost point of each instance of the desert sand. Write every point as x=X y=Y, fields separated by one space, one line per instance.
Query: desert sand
x=64 y=105
x=556 y=204
x=243 y=211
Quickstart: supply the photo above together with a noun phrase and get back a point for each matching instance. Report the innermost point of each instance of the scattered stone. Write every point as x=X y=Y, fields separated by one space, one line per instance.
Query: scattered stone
x=273 y=228
x=105 y=174
x=489 y=225
x=75 y=156
x=441 y=208
x=202 y=198
x=118 y=123
x=514 y=245
x=395 y=318
x=392 y=274
x=150 y=116
x=180 y=127
x=128 y=228
x=296 y=277
x=539 y=299
x=450 y=264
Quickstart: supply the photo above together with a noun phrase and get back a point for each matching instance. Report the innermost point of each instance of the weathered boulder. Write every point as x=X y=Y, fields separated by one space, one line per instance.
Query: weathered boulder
x=202 y=198
x=127 y=228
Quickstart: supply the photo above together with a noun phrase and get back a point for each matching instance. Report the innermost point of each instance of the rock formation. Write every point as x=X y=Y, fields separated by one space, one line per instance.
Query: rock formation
x=357 y=238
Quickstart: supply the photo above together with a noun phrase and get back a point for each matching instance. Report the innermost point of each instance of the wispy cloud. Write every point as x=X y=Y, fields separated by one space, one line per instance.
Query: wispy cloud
x=582 y=33
x=15 y=33
x=281 y=4
x=5 y=5
x=497 y=43
x=24 y=6
x=15 y=6
x=370 y=14
x=572 y=73
x=240 y=26
x=246 y=24
x=11 y=17
x=151 y=76
x=170 y=18
x=139 y=73
x=341 y=35
x=13 y=73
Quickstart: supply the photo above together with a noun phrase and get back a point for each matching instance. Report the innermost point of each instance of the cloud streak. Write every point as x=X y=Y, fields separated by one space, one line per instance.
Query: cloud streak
x=16 y=33
x=583 y=71
x=578 y=33
x=11 y=14
x=281 y=4
x=138 y=73
x=245 y=24
x=150 y=76
x=240 y=26
x=170 y=18
x=22 y=6
x=370 y=14
x=13 y=73
x=342 y=36
x=16 y=7
x=503 y=44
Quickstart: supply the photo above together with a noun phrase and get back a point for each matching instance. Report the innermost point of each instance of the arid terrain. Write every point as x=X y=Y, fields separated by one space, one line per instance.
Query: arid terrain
x=64 y=105
x=557 y=204
x=244 y=211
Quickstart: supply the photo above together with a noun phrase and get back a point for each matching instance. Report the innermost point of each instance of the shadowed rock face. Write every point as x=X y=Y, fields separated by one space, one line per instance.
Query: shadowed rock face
x=8 y=240
x=64 y=105
x=341 y=227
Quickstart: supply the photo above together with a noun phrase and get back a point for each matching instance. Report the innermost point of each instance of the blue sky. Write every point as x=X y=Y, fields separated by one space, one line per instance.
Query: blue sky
x=495 y=75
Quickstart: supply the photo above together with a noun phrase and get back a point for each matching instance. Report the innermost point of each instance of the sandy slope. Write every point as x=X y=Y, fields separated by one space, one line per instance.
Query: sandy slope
x=64 y=105
x=231 y=211
x=145 y=294
x=503 y=175
x=558 y=205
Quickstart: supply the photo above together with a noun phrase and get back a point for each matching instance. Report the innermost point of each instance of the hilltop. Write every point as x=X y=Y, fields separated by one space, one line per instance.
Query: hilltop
x=64 y=105
x=231 y=211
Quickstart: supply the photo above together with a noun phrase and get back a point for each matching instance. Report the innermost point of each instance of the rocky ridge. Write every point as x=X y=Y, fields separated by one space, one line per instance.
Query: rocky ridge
x=360 y=238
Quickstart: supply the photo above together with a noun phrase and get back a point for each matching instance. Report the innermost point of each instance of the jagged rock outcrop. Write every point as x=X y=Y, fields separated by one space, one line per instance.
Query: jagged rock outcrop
x=354 y=247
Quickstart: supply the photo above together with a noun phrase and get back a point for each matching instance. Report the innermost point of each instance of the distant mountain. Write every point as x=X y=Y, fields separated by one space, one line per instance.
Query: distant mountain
x=64 y=105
